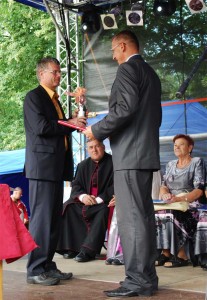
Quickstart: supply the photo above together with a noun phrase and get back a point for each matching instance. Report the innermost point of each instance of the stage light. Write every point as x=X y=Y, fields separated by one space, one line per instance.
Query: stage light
x=134 y=17
x=196 y=6
x=84 y=27
x=116 y=11
x=139 y=5
x=164 y=7
x=90 y=19
x=90 y=22
x=108 y=21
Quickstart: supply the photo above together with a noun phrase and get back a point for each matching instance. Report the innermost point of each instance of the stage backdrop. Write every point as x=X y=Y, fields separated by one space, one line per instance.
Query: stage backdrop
x=172 y=45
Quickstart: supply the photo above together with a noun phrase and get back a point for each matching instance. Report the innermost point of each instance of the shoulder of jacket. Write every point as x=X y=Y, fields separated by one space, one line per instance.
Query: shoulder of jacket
x=108 y=155
x=131 y=64
x=38 y=90
x=84 y=162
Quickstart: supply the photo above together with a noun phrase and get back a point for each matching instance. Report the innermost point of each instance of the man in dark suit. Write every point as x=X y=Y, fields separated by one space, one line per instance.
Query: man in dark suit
x=133 y=125
x=48 y=163
x=85 y=214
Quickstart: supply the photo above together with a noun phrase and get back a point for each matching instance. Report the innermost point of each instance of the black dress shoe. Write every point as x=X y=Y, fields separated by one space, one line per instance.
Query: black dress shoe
x=117 y=262
x=123 y=292
x=83 y=257
x=109 y=261
x=60 y=275
x=154 y=285
x=70 y=254
x=42 y=279
x=204 y=267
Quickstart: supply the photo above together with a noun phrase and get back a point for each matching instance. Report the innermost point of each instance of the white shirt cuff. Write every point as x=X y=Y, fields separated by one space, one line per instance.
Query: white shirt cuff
x=99 y=200
x=81 y=197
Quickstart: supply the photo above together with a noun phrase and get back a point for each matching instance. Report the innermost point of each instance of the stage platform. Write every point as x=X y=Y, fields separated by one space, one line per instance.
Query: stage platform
x=92 y=278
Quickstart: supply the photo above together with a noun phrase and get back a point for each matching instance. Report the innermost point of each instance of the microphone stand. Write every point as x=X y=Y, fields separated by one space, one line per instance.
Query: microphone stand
x=185 y=83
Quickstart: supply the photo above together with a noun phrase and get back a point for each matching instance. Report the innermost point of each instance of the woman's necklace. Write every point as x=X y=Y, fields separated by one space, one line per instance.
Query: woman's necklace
x=184 y=163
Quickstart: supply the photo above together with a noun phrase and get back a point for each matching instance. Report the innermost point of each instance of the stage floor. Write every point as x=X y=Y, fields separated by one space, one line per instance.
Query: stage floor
x=92 y=278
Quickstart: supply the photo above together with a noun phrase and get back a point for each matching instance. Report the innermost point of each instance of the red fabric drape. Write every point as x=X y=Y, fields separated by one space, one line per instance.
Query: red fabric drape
x=15 y=239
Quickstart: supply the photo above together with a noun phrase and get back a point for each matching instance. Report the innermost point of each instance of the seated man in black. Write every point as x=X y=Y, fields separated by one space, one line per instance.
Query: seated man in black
x=85 y=214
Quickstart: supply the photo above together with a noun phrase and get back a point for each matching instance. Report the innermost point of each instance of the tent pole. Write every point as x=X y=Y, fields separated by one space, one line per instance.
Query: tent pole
x=185 y=115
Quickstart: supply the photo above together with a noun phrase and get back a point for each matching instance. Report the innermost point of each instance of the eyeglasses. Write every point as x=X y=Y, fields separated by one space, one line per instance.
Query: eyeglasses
x=54 y=72
x=112 y=49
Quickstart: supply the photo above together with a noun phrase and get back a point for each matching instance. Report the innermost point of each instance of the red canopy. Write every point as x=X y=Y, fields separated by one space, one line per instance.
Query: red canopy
x=15 y=239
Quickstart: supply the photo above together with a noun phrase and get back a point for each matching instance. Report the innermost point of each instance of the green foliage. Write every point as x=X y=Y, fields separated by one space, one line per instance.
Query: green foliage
x=12 y=128
x=26 y=35
x=172 y=45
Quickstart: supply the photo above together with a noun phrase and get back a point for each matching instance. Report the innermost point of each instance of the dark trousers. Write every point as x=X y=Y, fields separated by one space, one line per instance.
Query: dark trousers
x=83 y=228
x=136 y=225
x=46 y=201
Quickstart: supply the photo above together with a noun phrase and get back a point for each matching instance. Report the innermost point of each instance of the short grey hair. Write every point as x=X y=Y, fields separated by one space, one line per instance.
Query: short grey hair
x=43 y=63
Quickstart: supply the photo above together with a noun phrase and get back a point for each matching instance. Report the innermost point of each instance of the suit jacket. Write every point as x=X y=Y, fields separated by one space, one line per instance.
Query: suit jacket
x=82 y=181
x=134 y=117
x=46 y=157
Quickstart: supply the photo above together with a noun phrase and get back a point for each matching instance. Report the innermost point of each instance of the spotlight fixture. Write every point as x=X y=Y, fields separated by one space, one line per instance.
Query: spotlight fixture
x=164 y=7
x=134 y=17
x=116 y=11
x=196 y=6
x=108 y=21
x=90 y=19
x=139 y=5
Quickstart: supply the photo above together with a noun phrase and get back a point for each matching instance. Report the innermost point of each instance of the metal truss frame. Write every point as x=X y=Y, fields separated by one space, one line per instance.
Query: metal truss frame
x=68 y=52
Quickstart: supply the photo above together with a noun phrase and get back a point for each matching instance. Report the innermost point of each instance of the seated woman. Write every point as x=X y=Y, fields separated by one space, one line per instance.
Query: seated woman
x=184 y=180
x=114 y=248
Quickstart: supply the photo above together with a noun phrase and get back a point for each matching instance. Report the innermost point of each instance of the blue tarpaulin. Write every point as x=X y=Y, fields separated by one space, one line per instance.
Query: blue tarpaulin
x=12 y=161
x=11 y=171
x=33 y=3
x=180 y=118
x=173 y=122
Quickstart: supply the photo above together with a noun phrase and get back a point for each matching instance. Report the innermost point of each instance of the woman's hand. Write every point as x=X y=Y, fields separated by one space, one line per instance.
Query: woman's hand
x=167 y=197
